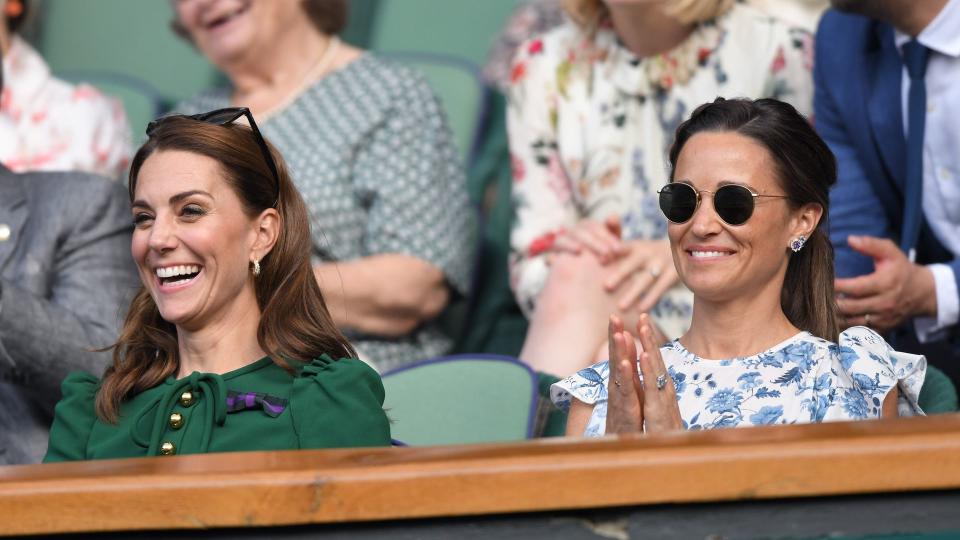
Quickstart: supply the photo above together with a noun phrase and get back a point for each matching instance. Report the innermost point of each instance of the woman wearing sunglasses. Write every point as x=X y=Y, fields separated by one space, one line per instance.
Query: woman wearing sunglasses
x=593 y=107
x=746 y=204
x=228 y=345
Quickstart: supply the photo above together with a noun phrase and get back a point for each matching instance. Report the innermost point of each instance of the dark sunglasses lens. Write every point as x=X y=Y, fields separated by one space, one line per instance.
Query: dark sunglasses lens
x=678 y=202
x=221 y=117
x=734 y=204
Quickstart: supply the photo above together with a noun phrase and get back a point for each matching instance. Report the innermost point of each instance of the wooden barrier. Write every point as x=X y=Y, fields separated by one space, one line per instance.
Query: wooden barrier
x=336 y=486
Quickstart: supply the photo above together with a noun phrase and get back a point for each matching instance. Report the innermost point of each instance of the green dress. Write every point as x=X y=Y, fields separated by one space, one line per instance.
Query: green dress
x=326 y=404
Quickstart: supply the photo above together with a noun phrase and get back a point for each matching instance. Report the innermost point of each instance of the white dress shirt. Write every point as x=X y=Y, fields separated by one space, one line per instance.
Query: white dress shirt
x=941 y=155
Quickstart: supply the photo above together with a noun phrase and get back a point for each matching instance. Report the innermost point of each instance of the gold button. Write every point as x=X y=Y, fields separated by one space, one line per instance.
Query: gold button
x=186 y=399
x=167 y=449
x=176 y=420
x=4 y=232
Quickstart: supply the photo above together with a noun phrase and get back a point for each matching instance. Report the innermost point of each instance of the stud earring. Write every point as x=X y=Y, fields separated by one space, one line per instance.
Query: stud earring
x=256 y=267
x=798 y=243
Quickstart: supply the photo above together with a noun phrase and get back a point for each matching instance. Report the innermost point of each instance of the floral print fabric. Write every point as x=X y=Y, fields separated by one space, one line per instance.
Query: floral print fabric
x=805 y=379
x=49 y=125
x=590 y=125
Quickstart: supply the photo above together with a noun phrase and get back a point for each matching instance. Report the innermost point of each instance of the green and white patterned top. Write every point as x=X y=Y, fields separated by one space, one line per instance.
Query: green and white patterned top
x=370 y=150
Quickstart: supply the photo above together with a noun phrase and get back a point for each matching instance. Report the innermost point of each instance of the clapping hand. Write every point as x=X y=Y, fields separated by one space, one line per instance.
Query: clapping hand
x=635 y=405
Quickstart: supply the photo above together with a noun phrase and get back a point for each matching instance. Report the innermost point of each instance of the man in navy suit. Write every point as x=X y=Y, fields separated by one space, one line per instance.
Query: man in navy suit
x=888 y=103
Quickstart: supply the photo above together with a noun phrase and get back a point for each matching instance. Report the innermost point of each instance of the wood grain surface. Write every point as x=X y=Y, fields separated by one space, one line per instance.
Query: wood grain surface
x=314 y=486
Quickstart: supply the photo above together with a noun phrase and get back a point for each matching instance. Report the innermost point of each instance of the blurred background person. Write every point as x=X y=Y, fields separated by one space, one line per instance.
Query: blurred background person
x=803 y=13
x=64 y=273
x=47 y=124
x=593 y=107
x=887 y=101
x=228 y=345
x=368 y=145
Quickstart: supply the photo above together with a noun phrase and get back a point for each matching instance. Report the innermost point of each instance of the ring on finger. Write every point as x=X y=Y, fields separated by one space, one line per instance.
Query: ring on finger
x=866 y=319
x=661 y=381
x=655 y=271
x=617 y=382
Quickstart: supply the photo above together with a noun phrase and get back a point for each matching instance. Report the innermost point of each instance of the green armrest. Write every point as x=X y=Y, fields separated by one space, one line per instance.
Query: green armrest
x=938 y=395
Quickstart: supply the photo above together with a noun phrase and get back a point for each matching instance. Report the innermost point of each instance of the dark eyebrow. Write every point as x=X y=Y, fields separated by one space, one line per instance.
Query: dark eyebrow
x=184 y=194
x=733 y=183
x=174 y=199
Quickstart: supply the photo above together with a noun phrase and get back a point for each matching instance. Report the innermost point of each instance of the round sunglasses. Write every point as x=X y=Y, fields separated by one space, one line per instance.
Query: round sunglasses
x=733 y=203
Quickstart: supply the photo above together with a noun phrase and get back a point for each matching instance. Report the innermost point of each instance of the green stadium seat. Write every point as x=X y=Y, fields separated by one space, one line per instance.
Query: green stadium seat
x=461 y=399
x=120 y=36
x=938 y=395
x=463 y=29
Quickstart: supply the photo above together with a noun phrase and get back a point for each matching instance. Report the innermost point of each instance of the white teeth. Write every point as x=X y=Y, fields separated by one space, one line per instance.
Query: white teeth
x=183 y=269
x=706 y=254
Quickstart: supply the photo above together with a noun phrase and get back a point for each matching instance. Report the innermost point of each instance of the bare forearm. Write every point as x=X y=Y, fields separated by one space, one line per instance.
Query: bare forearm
x=387 y=295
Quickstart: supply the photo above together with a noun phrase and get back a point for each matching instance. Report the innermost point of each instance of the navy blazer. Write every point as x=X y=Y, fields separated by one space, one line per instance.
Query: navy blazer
x=858 y=111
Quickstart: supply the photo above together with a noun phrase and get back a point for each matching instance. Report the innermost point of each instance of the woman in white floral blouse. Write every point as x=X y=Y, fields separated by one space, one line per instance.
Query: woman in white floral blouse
x=47 y=124
x=747 y=201
x=593 y=106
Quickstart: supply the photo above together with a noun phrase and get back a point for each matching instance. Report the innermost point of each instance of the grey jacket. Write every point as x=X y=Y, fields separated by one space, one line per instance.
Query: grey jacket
x=66 y=278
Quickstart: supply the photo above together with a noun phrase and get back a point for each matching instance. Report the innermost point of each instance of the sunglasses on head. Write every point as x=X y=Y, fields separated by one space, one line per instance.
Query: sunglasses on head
x=734 y=203
x=222 y=117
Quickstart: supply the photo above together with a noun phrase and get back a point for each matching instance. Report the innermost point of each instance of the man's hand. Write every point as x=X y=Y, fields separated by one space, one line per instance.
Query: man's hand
x=897 y=290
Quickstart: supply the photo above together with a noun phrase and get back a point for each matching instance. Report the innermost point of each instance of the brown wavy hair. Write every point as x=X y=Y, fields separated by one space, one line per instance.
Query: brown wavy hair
x=295 y=325
x=807 y=169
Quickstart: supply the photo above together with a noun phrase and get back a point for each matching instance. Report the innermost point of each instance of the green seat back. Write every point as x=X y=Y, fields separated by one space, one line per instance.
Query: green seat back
x=495 y=323
x=120 y=36
x=461 y=28
x=461 y=399
x=938 y=395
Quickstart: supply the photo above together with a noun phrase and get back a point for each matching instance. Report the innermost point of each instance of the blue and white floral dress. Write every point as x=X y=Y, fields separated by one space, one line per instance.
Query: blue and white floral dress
x=804 y=379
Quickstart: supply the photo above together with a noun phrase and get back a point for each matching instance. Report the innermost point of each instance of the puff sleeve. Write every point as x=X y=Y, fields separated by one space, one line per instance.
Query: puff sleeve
x=874 y=368
x=339 y=404
x=73 y=418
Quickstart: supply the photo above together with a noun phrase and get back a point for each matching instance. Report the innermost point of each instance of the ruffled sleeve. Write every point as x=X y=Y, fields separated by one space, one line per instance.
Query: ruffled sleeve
x=588 y=385
x=73 y=418
x=875 y=368
x=338 y=404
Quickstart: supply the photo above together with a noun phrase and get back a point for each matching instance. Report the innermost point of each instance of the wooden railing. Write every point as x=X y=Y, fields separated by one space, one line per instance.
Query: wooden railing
x=300 y=487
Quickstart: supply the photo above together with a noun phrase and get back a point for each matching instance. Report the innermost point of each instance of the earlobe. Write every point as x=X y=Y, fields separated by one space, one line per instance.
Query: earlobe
x=268 y=230
x=809 y=219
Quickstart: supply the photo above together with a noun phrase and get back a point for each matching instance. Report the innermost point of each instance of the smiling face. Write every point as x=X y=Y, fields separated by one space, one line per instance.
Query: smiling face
x=193 y=242
x=228 y=30
x=718 y=261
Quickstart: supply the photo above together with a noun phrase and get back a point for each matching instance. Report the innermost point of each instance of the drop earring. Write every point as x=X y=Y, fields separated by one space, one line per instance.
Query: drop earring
x=798 y=243
x=256 y=267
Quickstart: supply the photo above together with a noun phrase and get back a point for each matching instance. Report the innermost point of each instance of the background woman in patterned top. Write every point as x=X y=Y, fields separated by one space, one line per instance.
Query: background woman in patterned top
x=593 y=107
x=747 y=204
x=369 y=148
